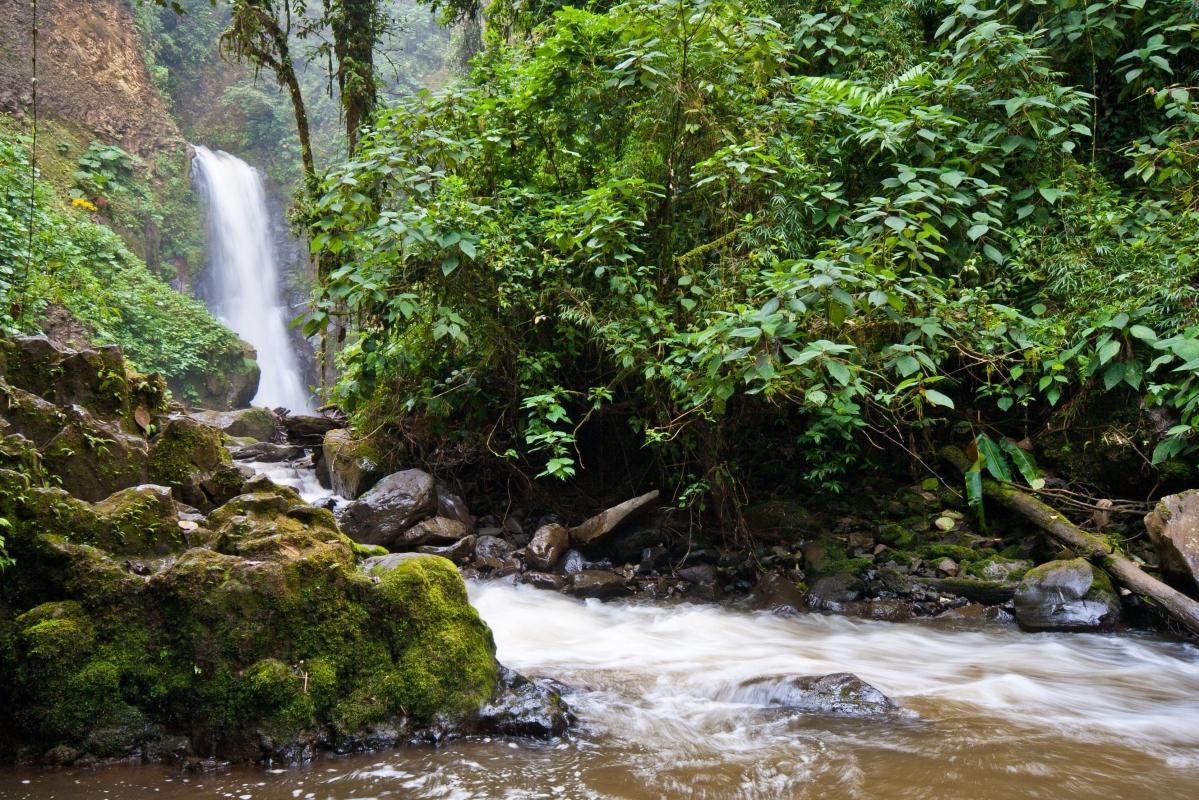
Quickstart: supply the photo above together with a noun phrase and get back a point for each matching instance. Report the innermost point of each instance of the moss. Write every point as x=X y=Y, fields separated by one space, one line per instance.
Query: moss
x=364 y=551
x=894 y=535
x=959 y=553
x=184 y=447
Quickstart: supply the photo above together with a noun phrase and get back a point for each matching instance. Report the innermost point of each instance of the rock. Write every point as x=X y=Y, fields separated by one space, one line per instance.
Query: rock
x=841 y=694
x=1001 y=569
x=460 y=552
x=492 y=552
x=522 y=707
x=189 y=457
x=435 y=531
x=309 y=429
x=255 y=423
x=544 y=580
x=973 y=589
x=1066 y=595
x=268 y=452
x=92 y=458
x=573 y=563
x=778 y=594
x=605 y=521
x=548 y=544
x=263 y=643
x=1173 y=527
x=831 y=592
x=945 y=523
x=596 y=583
x=698 y=574
x=354 y=465
x=452 y=506
x=782 y=517
x=947 y=567
x=229 y=380
x=392 y=506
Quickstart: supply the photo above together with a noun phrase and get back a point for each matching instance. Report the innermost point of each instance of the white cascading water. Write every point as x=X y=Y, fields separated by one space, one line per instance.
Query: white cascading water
x=245 y=274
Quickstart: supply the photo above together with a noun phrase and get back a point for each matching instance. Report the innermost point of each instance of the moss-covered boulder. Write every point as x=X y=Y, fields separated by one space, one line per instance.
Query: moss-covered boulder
x=190 y=457
x=267 y=640
x=355 y=465
x=255 y=423
x=228 y=380
x=1068 y=595
x=92 y=458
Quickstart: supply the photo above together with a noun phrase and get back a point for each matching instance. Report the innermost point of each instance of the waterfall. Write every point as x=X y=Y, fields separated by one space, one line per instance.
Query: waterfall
x=245 y=274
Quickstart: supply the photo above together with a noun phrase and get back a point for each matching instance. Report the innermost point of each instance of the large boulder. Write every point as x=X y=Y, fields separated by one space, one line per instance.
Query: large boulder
x=190 y=457
x=1173 y=527
x=391 y=507
x=354 y=465
x=522 y=707
x=262 y=641
x=229 y=380
x=92 y=458
x=253 y=423
x=1066 y=596
x=841 y=694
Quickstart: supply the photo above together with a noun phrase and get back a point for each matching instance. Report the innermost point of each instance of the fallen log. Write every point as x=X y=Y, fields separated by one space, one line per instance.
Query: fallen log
x=1095 y=549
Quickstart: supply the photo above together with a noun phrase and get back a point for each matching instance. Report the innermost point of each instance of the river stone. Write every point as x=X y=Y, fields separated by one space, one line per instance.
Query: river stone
x=267 y=452
x=543 y=580
x=460 y=552
x=522 y=707
x=392 y=506
x=841 y=694
x=1066 y=595
x=452 y=506
x=574 y=562
x=256 y=423
x=492 y=552
x=1173 y=527
x=778 y=594
x=597 y=583
x=831 y=592
x=435 y=531
x=354 y=465
x=547 y=546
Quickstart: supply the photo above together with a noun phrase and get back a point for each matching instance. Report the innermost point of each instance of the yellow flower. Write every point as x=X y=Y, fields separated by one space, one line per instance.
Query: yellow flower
x=84 y=204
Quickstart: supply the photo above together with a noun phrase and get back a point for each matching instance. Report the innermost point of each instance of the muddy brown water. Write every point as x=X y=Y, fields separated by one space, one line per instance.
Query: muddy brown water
x=990 y=713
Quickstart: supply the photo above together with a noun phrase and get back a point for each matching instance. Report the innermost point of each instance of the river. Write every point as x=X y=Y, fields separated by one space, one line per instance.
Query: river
x=991 y=713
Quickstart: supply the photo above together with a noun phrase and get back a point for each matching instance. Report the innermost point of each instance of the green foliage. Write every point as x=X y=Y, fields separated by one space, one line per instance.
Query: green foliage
x=850 y=221
x=86 y=268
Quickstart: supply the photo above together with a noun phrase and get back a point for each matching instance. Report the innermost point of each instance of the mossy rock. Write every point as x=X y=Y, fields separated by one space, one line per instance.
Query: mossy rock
x=92 y=458
x=354 y=465
x=191 y=458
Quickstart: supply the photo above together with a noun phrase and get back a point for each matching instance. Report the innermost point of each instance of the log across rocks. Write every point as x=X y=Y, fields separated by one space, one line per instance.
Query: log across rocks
x=1126 y=572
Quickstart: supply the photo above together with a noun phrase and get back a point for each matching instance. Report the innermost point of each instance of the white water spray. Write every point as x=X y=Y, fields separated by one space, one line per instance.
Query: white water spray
x=245 y=274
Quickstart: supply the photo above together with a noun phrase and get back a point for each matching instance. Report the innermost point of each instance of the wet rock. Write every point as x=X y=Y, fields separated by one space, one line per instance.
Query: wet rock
x=698 y=574
x=840 y=694
x=268 y=452
x=1001 y=569
x=547 y=546
x=354 y=465
x=1066 y=595
x=434 y=531
x=573 y=563
x=526 y=708
x=778 y=594
x=452 y=506
x=1173 y=527
x=255 y=423
x=492 y=552
x=595 y=583
x=390 y=508
x=92 y=458
x=309 y=429
x=544 y=580
x=831 y=592
x=627 y=544
x=653 y=559
x=977 y=612
x=604 y=522
x=460 y=552
x=973 y=589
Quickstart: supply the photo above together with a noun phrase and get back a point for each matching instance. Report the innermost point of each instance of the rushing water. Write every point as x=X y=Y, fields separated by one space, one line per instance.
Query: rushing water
x=994 y=713
x=245 y=274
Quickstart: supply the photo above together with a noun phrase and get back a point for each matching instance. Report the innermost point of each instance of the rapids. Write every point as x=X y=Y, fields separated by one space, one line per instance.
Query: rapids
x=990 y=713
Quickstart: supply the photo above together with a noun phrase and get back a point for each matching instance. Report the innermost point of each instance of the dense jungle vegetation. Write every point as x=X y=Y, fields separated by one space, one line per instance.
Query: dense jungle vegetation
x=780 y=241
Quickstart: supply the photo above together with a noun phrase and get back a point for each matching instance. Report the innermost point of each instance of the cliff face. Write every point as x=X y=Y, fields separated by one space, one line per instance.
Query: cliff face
x=91 y=72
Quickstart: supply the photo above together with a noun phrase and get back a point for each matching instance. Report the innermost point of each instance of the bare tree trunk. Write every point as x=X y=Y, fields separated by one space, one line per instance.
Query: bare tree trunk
x=1126 y=572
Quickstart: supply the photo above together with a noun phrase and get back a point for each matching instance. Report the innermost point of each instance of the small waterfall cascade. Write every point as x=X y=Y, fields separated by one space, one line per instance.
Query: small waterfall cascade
x=245 y=274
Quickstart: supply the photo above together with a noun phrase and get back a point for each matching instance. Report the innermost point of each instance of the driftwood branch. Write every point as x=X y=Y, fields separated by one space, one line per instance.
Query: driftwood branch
x=1094 y=548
